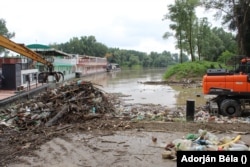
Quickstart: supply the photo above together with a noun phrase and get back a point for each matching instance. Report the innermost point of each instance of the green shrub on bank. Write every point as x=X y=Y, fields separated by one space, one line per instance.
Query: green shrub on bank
x=189 y=70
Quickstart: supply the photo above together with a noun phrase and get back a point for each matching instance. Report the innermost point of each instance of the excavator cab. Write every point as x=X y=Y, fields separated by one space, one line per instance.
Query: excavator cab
x=244 y=66
x=239 y=64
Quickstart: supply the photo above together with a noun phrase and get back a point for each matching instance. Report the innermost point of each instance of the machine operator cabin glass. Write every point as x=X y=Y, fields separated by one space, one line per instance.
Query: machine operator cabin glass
x=248 y=67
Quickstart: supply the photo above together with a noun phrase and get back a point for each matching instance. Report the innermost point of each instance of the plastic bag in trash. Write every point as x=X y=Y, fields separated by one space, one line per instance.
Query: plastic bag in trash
x=208 y=136
x=182 y=144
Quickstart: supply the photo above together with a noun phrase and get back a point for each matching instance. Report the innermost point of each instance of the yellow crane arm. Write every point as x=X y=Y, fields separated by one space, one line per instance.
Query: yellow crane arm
x=24 y=51
x=21 y=49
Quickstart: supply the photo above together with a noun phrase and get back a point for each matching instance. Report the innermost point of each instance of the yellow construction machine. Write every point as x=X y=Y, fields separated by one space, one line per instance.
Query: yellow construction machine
x=24 y=51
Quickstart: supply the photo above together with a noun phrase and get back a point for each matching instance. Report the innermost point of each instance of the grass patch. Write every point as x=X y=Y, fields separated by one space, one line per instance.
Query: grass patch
x=189 y=70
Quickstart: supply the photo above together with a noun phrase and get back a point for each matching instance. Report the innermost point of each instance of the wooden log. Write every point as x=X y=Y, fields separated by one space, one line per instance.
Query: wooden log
x=89 y=117
x=63 y=93
x=57 y=116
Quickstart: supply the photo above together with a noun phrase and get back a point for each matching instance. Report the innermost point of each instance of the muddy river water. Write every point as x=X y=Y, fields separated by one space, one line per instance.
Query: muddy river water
x=128 y=82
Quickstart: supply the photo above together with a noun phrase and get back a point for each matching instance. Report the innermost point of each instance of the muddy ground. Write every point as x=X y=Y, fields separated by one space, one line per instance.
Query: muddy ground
x=102 y=140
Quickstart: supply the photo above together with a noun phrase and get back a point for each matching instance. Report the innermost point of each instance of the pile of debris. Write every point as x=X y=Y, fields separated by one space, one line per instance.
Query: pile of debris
x=78 y=101
x=204 y=116
x=70 y=102
x=204 y=141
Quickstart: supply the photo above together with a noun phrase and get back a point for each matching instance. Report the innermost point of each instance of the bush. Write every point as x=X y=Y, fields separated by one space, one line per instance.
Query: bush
x=189 y=70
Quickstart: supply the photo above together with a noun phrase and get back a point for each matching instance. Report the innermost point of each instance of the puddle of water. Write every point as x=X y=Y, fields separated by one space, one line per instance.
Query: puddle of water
x=192 y=93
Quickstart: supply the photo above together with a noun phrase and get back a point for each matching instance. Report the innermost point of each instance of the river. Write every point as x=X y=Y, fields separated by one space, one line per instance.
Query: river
x=129 y=83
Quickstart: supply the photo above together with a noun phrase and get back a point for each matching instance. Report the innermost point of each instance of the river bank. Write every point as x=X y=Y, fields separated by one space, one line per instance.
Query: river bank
x=81 y=137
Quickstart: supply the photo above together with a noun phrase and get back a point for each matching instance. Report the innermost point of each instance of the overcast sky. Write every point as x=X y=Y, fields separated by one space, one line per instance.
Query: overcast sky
x=124 y=24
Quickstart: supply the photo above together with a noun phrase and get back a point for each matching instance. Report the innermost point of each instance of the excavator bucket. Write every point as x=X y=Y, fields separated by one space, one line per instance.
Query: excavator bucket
x=44 y=76
x=58 y=76
x=24 y=51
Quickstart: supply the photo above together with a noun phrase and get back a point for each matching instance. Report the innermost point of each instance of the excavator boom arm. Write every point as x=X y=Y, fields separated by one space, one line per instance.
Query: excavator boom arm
x=21 y=49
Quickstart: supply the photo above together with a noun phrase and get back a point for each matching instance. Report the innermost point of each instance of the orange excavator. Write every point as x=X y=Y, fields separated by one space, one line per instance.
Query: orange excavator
x=24 y=51
x=230 y=87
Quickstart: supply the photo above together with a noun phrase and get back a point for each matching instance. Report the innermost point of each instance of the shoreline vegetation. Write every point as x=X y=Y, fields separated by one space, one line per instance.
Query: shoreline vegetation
x=189 y=71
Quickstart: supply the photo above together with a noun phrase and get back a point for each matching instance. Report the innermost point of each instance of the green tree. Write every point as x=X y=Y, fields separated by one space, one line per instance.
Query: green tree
x=183 y=16
x=175 y=57
x=214 y=48
x=190 y=20
x=133 y=60
x=85 y=45
x=5 y=32
x=175 y=14
x=168 y=58
x=225 y=57
x=218 y=42
x=153 y=56
x=146 y=62
x=202 y=36
x=228 y=39
x=236 y=14
x=161 y=61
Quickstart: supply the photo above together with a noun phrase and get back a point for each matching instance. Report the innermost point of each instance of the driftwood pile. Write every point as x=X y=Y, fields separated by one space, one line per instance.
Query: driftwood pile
x=69 y=103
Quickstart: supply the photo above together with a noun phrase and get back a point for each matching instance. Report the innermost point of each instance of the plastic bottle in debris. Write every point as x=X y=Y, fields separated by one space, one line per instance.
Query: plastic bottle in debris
x=213 y=148
x=238 y=147
x=79 y=82
x=93 y=110
x=198 y=148
x=202 y=132
x=208 y=136
x=212 y=138
x=182 y=144
x=248 y=119
x=203 y=142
